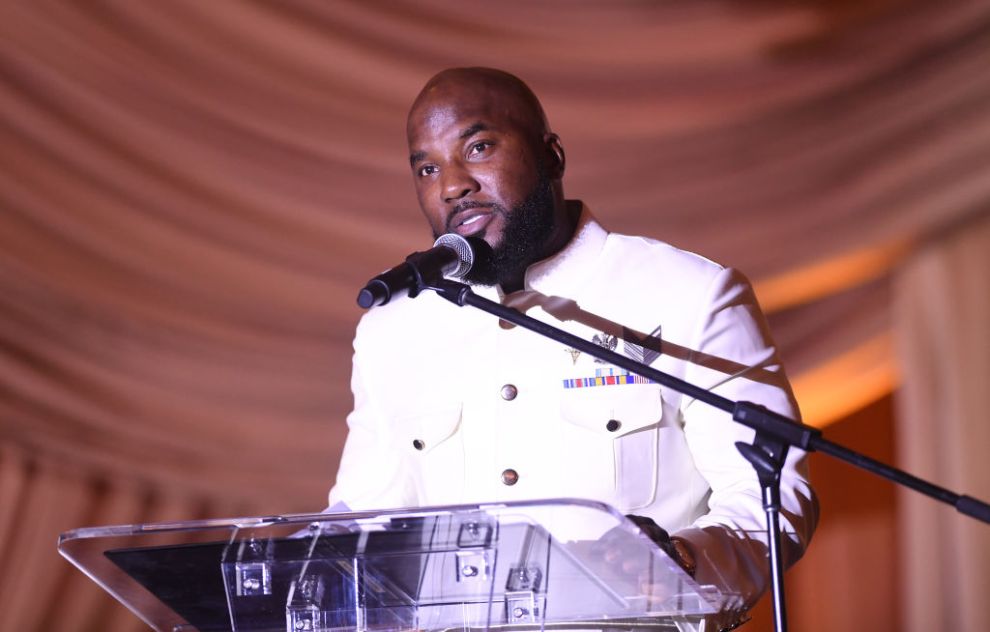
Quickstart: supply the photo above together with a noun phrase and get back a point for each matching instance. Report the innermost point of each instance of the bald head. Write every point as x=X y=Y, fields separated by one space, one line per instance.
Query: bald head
x=505 y=93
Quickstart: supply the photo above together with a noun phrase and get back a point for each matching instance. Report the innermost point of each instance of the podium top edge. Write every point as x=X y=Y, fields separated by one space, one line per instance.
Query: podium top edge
x=248 y=522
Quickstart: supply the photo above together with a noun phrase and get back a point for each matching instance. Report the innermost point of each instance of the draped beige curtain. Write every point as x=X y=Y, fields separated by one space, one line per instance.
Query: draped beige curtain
x=943 y=327
x=192 y=192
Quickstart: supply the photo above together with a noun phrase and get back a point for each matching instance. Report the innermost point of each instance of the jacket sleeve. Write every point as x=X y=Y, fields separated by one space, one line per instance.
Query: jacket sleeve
x=733 y=355
x=373 y=470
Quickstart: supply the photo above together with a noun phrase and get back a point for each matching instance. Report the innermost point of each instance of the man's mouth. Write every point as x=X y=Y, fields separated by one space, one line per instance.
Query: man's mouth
x=471 y=221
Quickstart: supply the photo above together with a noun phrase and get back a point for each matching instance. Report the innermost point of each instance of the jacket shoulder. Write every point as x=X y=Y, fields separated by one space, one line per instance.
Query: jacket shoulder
x=668 y=263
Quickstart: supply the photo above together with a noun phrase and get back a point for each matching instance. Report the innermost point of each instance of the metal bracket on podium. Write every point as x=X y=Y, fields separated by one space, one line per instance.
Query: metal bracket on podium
x=253 y=568
x=305 y=609
x=473 y=541
x=523 y=603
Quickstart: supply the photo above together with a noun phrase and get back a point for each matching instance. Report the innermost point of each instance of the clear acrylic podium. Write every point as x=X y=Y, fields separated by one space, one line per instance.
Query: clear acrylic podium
x=519 y=566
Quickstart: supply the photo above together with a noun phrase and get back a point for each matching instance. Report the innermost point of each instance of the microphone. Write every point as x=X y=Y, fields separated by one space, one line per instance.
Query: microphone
x=450 y=256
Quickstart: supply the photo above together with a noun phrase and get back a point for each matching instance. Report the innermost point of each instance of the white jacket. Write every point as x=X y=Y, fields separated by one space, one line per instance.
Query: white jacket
x=435 y=421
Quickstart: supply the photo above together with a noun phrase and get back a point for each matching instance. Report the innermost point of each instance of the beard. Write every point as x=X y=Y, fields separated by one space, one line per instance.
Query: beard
x=528 y=227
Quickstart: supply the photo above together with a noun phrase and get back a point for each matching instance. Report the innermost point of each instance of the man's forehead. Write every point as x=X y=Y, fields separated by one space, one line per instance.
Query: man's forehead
x=462 y=98
x=445 y=118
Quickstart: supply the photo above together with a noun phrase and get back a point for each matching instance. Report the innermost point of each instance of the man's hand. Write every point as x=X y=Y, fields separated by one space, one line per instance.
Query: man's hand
x=676 y=548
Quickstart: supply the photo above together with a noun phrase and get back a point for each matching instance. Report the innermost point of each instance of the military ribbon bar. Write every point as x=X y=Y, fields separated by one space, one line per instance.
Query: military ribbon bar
x=606 y=377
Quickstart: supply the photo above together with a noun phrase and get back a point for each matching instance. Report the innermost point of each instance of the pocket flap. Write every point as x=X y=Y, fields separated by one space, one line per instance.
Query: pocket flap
x=614 y=411
x=425 y=431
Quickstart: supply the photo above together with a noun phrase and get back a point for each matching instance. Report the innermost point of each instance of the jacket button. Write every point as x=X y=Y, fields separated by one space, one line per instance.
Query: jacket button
x=613 y=425
x=510 y=477
x=418 y=444
x=509 y=392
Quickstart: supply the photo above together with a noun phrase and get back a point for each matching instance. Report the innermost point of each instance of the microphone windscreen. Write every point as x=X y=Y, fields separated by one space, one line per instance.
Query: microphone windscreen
x=484 y=262
x=464 y=250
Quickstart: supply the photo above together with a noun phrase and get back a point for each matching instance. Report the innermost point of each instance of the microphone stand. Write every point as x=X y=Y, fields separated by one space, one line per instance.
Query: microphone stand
x=775 y=433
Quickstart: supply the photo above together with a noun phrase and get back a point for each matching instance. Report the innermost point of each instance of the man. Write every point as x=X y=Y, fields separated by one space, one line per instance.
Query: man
x=452 y=406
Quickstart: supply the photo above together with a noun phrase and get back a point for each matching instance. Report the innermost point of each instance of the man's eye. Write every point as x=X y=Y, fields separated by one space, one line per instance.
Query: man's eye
x=427 y=170
x=479 y=147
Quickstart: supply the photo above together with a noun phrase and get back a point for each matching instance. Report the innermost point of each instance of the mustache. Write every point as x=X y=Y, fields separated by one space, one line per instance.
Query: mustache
x=469 y=204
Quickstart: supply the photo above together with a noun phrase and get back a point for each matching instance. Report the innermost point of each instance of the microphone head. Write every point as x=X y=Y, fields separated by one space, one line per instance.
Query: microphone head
x=464 y=250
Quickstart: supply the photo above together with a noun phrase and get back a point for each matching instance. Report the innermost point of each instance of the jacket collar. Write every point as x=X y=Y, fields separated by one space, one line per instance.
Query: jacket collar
x=562 y=273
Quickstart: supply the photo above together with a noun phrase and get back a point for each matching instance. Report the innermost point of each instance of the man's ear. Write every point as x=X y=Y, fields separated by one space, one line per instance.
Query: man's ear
x=555 y=156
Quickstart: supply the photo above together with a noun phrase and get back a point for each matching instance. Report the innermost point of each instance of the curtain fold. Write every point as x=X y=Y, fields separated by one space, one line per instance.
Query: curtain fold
x=942 y=315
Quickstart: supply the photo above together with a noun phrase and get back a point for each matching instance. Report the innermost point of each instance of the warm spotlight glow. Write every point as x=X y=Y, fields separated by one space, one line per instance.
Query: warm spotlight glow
x=809 y=283
x=848 y=382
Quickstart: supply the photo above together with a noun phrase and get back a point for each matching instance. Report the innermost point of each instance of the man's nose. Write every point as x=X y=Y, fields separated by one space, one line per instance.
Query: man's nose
x=457 y=183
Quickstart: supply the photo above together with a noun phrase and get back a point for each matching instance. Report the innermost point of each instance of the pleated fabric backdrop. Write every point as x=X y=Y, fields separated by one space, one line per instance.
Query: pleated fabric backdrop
x=191 y=194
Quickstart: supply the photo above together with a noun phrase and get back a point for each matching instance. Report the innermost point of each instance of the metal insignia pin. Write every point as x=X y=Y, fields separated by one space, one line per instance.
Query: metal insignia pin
x=646 y=349
x=605 y=341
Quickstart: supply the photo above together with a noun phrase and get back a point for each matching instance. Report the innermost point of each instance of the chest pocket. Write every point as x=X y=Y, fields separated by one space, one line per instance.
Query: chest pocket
x=612 y=434
x=434 y=446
